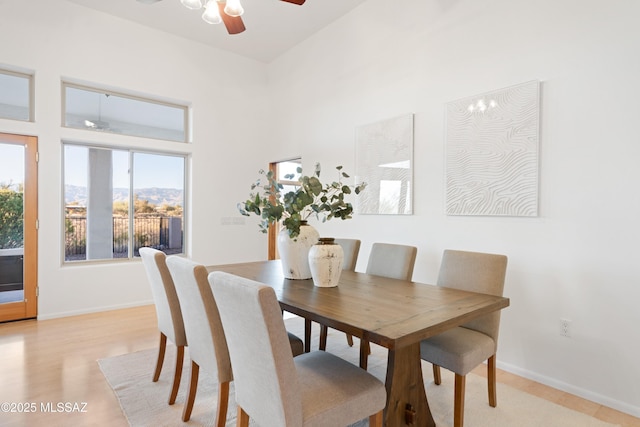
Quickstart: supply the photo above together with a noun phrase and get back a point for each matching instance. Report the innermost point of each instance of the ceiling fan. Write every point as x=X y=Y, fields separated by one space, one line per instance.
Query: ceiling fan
x=231 y=18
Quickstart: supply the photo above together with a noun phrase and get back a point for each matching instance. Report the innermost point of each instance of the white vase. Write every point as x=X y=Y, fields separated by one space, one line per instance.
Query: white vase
x=294 y=253
x=325 y=261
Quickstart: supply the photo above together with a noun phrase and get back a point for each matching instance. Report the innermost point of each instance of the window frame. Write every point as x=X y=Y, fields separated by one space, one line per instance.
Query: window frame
x=131 y=151
x=31 y=97
x=123 y=94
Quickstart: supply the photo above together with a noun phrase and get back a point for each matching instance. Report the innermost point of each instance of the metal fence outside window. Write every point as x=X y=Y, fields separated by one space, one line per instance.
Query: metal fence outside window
x=150 y=231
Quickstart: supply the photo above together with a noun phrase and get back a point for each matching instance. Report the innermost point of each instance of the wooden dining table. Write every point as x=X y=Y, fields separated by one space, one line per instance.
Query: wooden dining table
x=395 y=314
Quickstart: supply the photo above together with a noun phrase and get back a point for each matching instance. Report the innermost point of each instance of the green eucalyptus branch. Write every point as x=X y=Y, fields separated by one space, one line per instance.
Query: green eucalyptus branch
x=311 y=197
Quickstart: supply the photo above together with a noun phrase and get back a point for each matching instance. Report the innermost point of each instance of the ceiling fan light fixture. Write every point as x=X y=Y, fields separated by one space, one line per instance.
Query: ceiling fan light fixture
x=233 y=8
x=192 y=4
x=211 y=13
x=228 y=12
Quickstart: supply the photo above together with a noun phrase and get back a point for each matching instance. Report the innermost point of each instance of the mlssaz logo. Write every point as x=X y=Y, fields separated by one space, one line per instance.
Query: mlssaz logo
x=63 y=407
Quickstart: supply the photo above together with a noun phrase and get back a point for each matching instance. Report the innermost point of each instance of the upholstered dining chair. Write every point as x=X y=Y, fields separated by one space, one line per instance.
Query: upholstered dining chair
x=208 y=345
x=351 y=249
x=168 y=313
x=313 y=389
x=208 y=349
x=463 y=348
x=392 y=261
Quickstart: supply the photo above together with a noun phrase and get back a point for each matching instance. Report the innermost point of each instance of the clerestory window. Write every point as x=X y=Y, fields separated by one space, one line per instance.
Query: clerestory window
x=108 y=111
x=16 y=96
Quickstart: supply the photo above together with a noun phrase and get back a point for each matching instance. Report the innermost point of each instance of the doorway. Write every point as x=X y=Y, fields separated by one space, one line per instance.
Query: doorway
x=18 y=227
x=287 y=174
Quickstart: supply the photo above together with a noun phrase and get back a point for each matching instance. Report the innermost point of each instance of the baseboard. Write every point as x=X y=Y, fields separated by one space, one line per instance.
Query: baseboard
x=92 y=310
x=577 y=391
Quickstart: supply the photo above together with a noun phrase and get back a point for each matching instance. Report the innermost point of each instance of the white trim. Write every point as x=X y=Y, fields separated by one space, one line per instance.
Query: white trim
x=569 y=388
x=93 y=310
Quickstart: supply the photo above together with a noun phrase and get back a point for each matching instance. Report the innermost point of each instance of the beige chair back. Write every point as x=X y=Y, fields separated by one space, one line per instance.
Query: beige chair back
x=207 y=341
x=266 y=380
x=475 y=272
x=351 y=248
x=165 y=298
x=393 y=261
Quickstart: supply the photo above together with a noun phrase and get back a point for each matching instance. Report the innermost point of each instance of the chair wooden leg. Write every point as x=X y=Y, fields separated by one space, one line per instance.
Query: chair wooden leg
x=364 y=353
x=375 y=420
x=191 y=394
x=350 y=340
x=223 y=404
x=491 y=379
x=177 y=375
x=307 y=335
x=458 y=401
x=161 y=349
x=437 y=379
x=243 y=418
x=324 y=330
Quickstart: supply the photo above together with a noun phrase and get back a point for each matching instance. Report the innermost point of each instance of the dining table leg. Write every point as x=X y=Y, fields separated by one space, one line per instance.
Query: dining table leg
x=406 y=397
x=307 y=335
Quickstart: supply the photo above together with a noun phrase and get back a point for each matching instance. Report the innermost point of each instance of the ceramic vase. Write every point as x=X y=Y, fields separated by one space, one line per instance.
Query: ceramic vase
x=325 y=262
x=294 y=253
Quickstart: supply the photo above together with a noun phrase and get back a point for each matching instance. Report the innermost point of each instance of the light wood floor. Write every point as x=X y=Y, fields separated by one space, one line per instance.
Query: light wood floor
x=51 y=361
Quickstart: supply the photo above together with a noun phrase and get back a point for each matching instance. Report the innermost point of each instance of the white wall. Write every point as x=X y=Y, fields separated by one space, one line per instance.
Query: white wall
x=579 y=258
x=576 y=260
x=60 y=40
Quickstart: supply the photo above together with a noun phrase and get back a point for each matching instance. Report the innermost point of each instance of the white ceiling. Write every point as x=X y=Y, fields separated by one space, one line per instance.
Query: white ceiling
x=273 y=26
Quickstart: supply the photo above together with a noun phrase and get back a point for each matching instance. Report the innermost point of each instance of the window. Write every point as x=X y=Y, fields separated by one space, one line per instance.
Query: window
x=119 y=200
x=16 y=91
x=288 y=175
x=107 y=111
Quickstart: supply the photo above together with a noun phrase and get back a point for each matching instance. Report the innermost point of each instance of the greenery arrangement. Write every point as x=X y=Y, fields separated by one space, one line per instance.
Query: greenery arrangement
x=311 y=197
x=11 y=218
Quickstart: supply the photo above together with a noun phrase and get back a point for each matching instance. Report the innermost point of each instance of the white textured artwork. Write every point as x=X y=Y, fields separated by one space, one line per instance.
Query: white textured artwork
x=384 y=160
x=492 y=152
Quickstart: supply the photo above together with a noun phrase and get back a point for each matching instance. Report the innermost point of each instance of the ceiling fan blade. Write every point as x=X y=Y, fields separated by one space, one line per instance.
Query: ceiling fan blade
x=234 y=24
x=298 y=2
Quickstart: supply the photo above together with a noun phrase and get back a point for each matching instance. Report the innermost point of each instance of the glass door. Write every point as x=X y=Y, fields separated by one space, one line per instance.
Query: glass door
x=18 y=227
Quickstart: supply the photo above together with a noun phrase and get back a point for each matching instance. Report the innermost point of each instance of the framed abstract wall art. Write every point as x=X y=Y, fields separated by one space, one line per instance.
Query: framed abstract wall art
x=384 y=160
x=492 y=145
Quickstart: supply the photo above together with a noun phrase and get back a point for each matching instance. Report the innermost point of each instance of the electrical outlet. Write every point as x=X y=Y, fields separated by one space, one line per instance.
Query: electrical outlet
x=565 y=328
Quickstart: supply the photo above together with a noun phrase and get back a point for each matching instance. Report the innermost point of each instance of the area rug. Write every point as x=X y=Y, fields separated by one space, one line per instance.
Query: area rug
x=144 y=402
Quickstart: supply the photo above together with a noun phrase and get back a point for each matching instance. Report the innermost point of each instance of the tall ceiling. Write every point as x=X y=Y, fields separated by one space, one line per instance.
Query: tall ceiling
x=273 y=26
